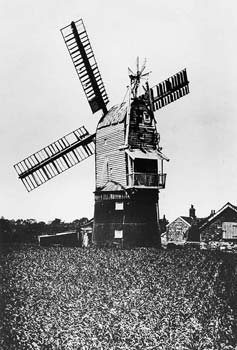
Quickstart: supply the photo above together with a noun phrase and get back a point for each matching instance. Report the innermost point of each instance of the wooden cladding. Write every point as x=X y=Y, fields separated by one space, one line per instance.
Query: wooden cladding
x=55 y=158
x=110 y=161
x=169 y=90
x=80 y=50
x=142 y=137
x=142 y=128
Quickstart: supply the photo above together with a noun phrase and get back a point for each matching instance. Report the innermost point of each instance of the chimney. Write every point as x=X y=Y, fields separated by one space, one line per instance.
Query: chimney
x=192 y=212
x=212 y=212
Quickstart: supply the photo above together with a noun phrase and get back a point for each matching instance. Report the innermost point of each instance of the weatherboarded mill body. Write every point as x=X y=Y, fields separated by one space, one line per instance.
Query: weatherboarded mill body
x=128 y=159
x=129 y=174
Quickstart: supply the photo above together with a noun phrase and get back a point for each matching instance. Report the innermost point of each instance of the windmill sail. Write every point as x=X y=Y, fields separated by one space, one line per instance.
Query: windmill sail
x=79 y=47
x=55 y=158
x=169 y=90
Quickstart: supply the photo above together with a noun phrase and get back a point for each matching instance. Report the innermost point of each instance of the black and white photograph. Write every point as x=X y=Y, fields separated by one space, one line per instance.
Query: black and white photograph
x=118 y=148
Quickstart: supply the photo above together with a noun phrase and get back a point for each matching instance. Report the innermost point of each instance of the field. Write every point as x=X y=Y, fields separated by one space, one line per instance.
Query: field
x=74 y=298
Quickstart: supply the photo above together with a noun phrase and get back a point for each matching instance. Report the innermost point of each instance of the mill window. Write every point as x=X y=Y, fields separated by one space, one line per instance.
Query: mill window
x=118 y=205
x=118 y=234
x=146 y=118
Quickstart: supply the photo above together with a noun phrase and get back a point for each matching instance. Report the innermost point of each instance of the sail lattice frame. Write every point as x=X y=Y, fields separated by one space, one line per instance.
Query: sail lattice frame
x=55 y=158
x=80 y=50
x=169 y=90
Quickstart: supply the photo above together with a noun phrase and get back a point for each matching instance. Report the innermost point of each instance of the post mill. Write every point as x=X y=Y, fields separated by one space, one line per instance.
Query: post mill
x=128 y=159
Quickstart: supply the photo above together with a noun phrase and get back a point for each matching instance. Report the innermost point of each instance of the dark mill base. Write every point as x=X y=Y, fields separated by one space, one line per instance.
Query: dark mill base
x=126 y=219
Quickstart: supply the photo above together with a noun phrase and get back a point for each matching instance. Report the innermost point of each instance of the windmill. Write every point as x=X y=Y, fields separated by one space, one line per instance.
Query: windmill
x=128 y=158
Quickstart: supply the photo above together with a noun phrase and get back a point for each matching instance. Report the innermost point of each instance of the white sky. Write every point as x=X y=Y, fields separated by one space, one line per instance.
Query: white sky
x=42 y=99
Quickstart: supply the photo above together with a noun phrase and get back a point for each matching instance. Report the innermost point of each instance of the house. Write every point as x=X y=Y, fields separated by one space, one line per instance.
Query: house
x=177 y=230
x=219 y=229
x=221 y=226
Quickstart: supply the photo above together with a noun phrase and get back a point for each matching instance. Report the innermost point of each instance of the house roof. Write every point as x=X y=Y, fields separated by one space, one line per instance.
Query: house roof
x=202 y=222
x=188 y=219
x=115 y=115
x=213 y=217
x=183 y=218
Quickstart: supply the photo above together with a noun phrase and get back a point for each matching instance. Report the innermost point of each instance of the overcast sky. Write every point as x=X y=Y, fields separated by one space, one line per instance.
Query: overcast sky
x=42 y=98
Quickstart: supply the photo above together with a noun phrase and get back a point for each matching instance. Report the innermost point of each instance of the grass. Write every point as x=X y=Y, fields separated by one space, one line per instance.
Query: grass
x=74 y=298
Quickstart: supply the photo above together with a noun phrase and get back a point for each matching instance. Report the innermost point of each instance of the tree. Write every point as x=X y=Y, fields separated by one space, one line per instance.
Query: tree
x=5 y=230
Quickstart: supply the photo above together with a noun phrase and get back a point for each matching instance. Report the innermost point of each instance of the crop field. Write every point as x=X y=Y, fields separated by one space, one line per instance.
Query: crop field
x=74 y=298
